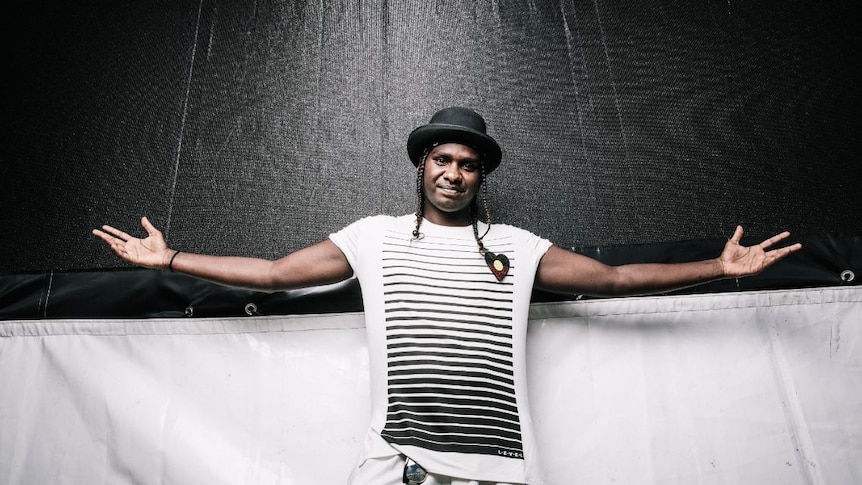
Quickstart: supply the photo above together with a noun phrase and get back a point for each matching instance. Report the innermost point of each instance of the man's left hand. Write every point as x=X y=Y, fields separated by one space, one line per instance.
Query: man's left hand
x=737 y=260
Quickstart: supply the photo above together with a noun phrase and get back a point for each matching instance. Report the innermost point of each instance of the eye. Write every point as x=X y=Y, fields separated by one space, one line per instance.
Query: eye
x=441 y=160
x=470 y=166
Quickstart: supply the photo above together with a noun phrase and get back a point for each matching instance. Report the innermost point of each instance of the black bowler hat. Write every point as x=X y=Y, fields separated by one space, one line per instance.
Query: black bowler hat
x=455 y=125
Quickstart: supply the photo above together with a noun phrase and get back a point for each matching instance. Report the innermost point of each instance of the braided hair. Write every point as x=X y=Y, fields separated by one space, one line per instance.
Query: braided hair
x=420 y=195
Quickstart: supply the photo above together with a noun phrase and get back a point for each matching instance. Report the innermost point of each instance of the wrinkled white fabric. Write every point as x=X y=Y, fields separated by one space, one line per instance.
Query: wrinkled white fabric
x=743 y=388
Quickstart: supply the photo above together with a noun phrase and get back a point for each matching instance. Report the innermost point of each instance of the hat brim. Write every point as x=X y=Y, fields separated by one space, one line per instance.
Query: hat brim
x=426 y=135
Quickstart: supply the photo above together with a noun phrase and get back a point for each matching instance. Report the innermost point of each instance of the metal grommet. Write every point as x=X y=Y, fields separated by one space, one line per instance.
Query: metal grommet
x=848 y=276
x=251 y=310
x=190 y=311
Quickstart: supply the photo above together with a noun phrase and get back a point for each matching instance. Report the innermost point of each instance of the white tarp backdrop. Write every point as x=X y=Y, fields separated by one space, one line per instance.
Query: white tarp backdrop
x=744 y=388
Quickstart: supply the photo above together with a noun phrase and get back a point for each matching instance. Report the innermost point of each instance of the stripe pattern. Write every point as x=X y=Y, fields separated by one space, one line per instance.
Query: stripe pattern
x=449 y=337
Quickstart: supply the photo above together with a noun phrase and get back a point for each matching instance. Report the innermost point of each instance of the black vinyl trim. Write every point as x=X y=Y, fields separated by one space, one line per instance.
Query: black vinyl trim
x=140 y=293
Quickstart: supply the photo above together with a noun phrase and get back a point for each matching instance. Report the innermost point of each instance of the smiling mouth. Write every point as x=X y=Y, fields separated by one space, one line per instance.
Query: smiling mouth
x=451 y=190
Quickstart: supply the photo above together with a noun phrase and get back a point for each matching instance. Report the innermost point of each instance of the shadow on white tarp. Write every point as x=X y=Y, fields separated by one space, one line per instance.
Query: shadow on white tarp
x=742 y=388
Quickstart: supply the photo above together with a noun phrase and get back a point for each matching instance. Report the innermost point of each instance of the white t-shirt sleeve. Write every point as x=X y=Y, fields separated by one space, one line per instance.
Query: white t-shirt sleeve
x=356 y=237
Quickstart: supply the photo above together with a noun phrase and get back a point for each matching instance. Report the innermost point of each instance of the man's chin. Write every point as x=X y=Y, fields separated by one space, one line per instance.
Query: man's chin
x=451 y=205
x=449 y=209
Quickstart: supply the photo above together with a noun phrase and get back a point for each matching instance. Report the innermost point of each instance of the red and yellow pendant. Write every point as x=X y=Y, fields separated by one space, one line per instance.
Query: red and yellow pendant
x=498 y=263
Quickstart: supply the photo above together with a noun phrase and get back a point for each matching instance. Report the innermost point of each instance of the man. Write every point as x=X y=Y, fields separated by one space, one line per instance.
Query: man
x=446 y=301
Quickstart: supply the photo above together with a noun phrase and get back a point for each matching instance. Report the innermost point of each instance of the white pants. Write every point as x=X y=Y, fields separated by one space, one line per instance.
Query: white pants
x=390 y=471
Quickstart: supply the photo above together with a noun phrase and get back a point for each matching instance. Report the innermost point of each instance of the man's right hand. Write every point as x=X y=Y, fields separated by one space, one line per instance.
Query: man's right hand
x=320 y=264
x=150 y=252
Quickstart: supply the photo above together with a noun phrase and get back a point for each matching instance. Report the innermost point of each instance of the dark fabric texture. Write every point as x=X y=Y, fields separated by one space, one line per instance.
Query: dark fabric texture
x=257 y=128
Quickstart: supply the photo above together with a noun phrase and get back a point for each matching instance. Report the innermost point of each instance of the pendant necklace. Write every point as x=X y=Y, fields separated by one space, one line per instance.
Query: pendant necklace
x=497 y=263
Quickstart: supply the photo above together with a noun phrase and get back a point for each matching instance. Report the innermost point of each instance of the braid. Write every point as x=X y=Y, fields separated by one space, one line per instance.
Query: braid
x=482 y=249
x=485 y=199
x=420 y=194
x=474 y=210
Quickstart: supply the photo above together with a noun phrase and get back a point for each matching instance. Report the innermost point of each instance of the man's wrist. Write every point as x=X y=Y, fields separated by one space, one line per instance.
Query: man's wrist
x=720 y=270
x=170 y=265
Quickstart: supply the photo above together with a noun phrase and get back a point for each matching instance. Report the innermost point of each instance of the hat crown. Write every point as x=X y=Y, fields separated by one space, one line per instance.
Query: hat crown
x=455 y=125
x=459 y=116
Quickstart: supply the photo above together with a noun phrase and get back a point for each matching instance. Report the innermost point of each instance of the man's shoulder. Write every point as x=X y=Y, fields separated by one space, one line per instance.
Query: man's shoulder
x=382 y=219
x=379 y=222
x=510 y=229
x=500 y=232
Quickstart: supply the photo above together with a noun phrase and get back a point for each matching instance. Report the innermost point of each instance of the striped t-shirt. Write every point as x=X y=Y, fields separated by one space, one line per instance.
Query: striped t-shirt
x=446 y=343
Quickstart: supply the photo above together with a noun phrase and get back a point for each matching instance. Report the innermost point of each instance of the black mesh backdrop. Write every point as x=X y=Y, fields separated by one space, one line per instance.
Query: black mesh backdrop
x=259 y=127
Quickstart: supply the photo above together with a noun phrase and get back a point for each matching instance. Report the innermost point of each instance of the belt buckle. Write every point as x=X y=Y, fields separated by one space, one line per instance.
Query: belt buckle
x=414 y=474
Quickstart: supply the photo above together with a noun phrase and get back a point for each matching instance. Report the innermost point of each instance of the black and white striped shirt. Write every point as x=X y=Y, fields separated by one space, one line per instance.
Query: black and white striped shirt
x=450 y=338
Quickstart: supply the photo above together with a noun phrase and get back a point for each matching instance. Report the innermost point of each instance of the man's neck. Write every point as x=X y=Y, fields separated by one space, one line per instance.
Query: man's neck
x=456 y=219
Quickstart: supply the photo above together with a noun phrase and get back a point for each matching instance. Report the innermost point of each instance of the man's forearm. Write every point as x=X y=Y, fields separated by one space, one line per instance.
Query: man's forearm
x=637 y=279
x=320 y=264
x=235 y=271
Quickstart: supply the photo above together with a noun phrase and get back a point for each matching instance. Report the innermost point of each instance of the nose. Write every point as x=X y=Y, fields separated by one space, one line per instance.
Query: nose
x=453 y=173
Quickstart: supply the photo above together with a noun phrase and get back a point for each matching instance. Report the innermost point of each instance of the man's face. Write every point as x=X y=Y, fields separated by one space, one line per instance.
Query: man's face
x=453 y=174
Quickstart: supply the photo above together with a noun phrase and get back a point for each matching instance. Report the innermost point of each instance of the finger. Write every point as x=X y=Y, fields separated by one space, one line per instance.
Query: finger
x=148 y=226
x=113 y=231
x=737 y=235
x=104 y=237
x=152 y=231
x=116 y=245
x=779 y=254
x=782 y=252
x=119 y=248
x=774 y=239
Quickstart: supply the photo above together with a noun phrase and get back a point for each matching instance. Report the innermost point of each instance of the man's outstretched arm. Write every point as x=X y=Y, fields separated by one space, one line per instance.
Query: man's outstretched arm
x=319 y=264
x=567 y=272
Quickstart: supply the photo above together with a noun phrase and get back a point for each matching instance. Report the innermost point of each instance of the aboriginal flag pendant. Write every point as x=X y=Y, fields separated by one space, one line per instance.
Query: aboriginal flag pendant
x=498 y=263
